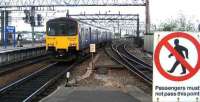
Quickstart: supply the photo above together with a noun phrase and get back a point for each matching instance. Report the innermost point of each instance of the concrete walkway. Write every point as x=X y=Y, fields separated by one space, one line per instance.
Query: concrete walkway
x=89 y=94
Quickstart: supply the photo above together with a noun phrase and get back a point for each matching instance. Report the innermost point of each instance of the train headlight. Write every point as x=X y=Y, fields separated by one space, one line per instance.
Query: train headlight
x=73 y=45
x=50 y=44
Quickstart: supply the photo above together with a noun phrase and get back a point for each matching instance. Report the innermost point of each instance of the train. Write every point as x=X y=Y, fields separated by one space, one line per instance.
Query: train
x=66 y=37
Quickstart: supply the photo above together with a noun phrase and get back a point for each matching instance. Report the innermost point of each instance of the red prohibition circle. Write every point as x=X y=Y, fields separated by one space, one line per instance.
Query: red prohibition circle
x=157 y=54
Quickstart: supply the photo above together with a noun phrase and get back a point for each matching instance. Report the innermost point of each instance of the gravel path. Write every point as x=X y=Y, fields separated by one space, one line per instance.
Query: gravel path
x=116 y=78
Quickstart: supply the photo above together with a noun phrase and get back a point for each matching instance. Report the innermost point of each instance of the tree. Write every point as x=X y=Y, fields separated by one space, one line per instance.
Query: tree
x=181 y=23
x=169 y=25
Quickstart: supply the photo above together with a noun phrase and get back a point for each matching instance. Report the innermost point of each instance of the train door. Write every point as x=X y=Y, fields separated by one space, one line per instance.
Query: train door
x=106 y=36
x=90 y=34
x=97 y=36
x=82 y=37
x=87 y=36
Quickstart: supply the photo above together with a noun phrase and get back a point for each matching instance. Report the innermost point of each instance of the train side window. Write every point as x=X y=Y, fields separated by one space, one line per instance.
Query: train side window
x=82 y=33
x=87 y=31
x=82 y=30
x=97 y=35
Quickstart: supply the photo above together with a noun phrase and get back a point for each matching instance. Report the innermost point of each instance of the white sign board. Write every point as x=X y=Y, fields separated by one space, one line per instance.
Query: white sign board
x=176 y=64
x=68 y=74
x=92 y=48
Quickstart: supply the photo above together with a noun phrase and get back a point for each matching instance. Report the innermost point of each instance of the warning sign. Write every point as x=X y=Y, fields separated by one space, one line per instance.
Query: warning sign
x=176 y=67
x=92 y=48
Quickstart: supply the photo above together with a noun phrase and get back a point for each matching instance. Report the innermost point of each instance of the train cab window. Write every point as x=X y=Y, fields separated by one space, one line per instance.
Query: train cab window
x=51 y=31
x=62 y=28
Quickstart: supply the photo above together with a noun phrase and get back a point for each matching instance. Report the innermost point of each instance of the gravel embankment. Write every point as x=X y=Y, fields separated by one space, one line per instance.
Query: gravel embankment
x=115 y=78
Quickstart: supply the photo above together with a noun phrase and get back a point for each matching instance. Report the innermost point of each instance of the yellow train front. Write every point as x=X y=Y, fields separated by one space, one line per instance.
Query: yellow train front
x=66 y=37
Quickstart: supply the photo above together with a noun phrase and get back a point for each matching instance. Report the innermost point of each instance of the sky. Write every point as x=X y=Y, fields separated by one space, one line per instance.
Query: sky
x=160 y=10
x=164 y=9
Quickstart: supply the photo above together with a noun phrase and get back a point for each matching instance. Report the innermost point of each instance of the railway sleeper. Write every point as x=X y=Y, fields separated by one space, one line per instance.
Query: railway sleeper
x=141 y=68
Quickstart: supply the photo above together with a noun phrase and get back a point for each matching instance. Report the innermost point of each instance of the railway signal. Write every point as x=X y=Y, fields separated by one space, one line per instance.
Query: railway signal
x=27 y=16
x=32 y=21
x=39 y=19
x=30 y=18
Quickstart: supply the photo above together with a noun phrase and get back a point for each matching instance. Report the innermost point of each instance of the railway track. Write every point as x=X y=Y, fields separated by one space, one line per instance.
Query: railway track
x=29 y=87
x=132 y=56
x=131 y=62
x=113 y=55
x=15 y=66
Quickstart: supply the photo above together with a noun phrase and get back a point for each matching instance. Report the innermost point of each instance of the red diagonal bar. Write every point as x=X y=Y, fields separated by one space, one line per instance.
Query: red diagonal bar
x=179 y=57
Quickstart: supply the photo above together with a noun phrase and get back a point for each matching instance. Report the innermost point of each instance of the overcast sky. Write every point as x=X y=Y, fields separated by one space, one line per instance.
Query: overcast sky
x=164 y=9
x=160 y=10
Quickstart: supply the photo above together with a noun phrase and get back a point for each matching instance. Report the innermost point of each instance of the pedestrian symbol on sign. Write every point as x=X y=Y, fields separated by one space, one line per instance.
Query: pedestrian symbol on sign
x=180 y=49
x=189 y=67
x=176 y=67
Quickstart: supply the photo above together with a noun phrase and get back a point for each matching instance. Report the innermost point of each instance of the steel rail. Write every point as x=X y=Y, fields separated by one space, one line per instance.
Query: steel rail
x=129 y=65
x=29 y=87
x=133 y=64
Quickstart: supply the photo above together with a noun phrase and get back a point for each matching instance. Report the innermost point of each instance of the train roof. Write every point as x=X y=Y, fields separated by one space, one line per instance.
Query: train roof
x=92 y=25
x=73 y=19
x=61 y=19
